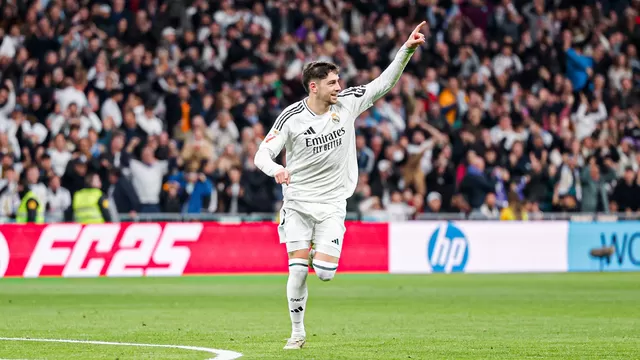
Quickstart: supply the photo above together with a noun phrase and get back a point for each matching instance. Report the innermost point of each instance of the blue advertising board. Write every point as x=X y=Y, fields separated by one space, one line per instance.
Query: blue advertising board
x=622 y=237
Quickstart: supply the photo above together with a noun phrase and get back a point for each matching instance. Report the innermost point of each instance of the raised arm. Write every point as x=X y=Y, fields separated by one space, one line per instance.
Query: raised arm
x=359 y=98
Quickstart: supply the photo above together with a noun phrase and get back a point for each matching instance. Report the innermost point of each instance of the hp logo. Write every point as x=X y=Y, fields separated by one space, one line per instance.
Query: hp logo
x=448 y=249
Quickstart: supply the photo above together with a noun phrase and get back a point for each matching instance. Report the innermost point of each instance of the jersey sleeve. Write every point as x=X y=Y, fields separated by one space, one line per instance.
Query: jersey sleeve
x=275 y=141
x=357 y=99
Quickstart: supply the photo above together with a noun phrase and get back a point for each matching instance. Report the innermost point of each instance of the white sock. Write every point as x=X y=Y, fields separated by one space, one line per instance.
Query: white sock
x=324 y=269
x=297 y=294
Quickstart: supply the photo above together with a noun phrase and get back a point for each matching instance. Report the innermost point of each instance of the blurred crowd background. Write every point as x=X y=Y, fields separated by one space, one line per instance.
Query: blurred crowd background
x=511 y=109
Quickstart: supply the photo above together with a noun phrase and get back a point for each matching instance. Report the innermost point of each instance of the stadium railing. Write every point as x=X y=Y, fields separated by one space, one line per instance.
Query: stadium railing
x=379 y=217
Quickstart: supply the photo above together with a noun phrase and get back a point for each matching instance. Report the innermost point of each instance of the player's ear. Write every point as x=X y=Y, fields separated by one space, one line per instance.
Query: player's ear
x=313 y=87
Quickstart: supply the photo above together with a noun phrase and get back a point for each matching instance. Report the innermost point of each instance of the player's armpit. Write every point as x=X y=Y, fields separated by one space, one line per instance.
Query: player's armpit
x=275 y=140
x=357 y=99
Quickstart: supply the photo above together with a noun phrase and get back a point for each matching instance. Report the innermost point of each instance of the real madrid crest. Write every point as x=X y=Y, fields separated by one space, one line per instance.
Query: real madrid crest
x=335 y=118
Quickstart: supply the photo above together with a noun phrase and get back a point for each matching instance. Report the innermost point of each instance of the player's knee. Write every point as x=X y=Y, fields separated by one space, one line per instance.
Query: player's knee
x=324 y=270
x=325 y=275
x=298 y=270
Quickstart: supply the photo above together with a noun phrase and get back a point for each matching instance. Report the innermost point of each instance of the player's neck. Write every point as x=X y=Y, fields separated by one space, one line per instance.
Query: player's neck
x=317 y=106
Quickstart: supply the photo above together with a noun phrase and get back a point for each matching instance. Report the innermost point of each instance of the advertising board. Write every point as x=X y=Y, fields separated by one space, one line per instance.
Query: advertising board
x=169 y=249
x=477 y=247
x=622 y=237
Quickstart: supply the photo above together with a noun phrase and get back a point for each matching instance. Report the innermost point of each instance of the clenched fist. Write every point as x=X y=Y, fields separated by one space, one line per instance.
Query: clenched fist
x=282 y=176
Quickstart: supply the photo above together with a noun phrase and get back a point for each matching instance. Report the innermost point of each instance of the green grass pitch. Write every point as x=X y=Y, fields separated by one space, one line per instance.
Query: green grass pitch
x=550 y=316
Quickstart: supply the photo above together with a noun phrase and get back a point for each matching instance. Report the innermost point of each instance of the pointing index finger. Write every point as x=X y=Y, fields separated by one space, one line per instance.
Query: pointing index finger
x=417 y=29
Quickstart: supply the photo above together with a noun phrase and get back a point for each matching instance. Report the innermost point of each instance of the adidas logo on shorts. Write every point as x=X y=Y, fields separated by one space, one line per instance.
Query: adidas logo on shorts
x=336 y=241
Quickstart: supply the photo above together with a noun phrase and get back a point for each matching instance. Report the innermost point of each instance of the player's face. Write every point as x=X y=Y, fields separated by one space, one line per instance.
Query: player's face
x=329 y=89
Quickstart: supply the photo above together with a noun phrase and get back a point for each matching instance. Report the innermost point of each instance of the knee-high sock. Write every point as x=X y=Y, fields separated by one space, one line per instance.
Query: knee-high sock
x=297 y=294
x=324 y=269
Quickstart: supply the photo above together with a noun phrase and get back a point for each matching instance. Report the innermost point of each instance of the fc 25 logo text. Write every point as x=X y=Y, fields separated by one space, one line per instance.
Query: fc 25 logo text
x=142 y=250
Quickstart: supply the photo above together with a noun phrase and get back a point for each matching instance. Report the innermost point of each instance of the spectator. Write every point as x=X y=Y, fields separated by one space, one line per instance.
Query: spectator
x=579 y=67
x=197 y=148
x=626 y=194
x=515 y=210
x=223 y=131
x=489 y=208
x=146 y=120
x=193 y=188
x=397 y=209
x=58 y=200
x=588 y=116
x=9 y=196
x=476 y=184
x=115 y=156
x=111 y=108
x=366 y=158
x=234 y=194
x=255 y=181
x=121 y=194
x=147 y=174
x=594 y=186
x=434 y=202
x=532 y=89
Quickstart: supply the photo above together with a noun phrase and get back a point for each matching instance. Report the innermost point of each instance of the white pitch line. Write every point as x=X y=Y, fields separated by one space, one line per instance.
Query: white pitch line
x=221 y=354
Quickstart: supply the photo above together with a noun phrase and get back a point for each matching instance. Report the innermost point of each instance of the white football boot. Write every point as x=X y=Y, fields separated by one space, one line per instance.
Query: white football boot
x=295 y=343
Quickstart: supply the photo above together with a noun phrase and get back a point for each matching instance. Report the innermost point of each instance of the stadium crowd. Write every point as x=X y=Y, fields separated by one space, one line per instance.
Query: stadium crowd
x=511 y=108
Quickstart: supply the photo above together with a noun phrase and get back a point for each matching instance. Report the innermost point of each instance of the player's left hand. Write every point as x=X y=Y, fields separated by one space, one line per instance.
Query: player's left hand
x=416 y=38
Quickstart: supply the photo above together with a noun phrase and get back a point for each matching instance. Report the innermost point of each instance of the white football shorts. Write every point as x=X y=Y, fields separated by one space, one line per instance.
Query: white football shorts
x=302 y=224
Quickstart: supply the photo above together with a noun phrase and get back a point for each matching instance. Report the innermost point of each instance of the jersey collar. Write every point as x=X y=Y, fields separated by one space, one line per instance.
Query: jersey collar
x=304 y=102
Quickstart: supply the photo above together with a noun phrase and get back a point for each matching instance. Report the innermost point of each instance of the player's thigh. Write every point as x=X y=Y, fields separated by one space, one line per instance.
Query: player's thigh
x=296 y=231
x=328 y=238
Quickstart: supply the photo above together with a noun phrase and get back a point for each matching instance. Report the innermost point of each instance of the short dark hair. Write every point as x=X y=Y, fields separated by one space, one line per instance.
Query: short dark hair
x=317 y=70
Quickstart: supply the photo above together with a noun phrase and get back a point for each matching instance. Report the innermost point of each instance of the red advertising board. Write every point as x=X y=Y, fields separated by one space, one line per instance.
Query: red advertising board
x=169 y=249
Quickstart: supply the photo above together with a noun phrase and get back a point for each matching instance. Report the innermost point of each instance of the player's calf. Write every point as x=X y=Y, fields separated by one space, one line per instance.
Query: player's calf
x=297 y=296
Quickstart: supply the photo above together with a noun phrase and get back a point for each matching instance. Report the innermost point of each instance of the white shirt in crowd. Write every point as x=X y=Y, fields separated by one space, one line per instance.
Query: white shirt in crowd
x=59 y=201
x=586 y=123
x=36 y=129
x=147 y=180
x=8 y=47
x=59 y=160
x=111 y=108
x=223 y=137
x=9 y=198
x=70 y=95
x=150 y=125
x=497 y=134
x=399 y=211
x=490 y=213
x=91 y=121
x=502 y=63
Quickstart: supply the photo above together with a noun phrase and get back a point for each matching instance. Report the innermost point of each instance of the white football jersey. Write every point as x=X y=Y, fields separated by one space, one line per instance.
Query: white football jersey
x=320 y=148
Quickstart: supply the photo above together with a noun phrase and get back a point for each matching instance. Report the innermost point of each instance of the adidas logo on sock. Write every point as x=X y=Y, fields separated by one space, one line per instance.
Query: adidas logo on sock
x=299 y=309
x=309 y=131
